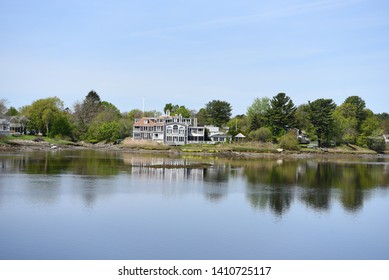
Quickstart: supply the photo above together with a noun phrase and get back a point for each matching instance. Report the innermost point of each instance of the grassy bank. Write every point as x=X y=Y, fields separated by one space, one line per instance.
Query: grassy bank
x=229 y=149
x=242 y=148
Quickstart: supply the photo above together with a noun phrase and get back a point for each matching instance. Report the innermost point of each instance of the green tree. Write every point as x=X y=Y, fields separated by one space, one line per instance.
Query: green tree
x=106 y=125
x=218 y=112
x=346 y=123
x=257 y=113
x=238 y=124
x=370 y=127
x=281 y=113
x=202 y=118
x=85 y=112
x=359 y=104
x=383 y=119
x=302 y=121
x=321 y=117
x=177 y=110
x=12 y=112
x=43 y=113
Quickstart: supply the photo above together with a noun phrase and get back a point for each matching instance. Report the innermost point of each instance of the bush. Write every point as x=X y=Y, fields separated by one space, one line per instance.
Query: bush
x=262 y=134
x=376 y=144
x=289 y=141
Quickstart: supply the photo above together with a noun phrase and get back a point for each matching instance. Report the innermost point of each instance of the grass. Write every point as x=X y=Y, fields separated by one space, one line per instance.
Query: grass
x=144 y=145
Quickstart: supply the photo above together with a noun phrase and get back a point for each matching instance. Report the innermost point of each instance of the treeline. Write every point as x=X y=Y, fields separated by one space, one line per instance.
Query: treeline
x=266 y=119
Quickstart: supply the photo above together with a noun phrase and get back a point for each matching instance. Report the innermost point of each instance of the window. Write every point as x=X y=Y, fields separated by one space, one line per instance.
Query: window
x=175 y=128
x=182 y=131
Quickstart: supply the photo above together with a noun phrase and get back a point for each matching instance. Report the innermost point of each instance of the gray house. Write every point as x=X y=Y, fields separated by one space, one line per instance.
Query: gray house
x=4 y=127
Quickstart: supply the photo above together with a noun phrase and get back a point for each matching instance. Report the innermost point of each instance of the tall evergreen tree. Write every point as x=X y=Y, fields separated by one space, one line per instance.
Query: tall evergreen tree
x=321 y=117
x=218 y=112
x=281 y=113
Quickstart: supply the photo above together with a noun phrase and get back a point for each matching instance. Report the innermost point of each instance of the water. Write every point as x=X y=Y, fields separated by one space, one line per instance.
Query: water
x=114 y=205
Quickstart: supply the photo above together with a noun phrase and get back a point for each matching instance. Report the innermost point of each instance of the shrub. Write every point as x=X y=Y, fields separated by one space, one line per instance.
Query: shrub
x=289 y=141
x=376 y=144
x=262 y=134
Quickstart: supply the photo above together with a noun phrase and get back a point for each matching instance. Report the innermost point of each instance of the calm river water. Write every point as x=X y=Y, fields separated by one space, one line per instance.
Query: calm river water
x=115 y=205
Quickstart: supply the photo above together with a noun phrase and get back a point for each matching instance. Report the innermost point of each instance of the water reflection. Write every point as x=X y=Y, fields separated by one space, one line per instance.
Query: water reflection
x=269 y=183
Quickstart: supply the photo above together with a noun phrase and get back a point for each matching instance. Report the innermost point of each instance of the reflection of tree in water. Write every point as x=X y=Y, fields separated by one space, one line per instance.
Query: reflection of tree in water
x=217 y=176
x=270 y=183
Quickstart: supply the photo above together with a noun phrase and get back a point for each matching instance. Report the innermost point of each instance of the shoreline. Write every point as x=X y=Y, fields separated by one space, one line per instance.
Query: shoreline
x=30 y=146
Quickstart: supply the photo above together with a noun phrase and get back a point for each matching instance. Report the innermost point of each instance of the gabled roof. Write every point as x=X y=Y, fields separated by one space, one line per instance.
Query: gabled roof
x=4 y=121
x=149 y=122
x=240 y=135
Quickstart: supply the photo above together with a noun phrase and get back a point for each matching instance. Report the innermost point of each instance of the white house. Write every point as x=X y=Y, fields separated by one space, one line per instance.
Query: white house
x=4 y=127
x=221 y=137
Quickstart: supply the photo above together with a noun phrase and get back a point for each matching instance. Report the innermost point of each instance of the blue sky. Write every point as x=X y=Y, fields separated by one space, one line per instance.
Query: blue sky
x=192 y=52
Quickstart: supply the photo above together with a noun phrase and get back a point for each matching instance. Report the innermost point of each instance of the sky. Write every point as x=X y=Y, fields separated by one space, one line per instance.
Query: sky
x=143 y=54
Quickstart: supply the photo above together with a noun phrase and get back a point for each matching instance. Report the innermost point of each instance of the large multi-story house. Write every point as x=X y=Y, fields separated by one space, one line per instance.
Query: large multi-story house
x=170 y=130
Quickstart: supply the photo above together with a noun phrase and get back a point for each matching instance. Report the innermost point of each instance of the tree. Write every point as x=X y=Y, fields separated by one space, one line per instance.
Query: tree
x=359 y=104
x=281 y=113
x=105 y=125
x=12 y=112
x=85 y=112
x=346 y=123
x=238 y=124
x=257 y=113
x=202 y=118
x=383 y=120
x=42 y=113
x=218 y=112
x=370 y=127
x=321 y=117
x=3 y=107
x=177 y=110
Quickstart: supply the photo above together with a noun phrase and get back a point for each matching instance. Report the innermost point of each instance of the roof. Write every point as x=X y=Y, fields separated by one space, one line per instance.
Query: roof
x=150 y=122
x=240 y=135
x=4 y=121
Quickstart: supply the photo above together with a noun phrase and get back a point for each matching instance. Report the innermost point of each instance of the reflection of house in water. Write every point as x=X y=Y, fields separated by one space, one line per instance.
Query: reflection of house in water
x=166 y=169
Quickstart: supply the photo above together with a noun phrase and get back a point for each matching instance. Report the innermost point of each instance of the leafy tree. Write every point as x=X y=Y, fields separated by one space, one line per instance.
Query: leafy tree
x=12 y=112
x=257 y=113
x=238 y=124
x=370 y=127
x=302 y=121
x=177 y=110
x=218 y=112
x=202 y=118
x=281 y=113
x=359 y=104
x=383 y=122
x=321 y=117
x=346 y=123
x=85 y=112
x=106 y=125
x=62 y=126
x=43 y=113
